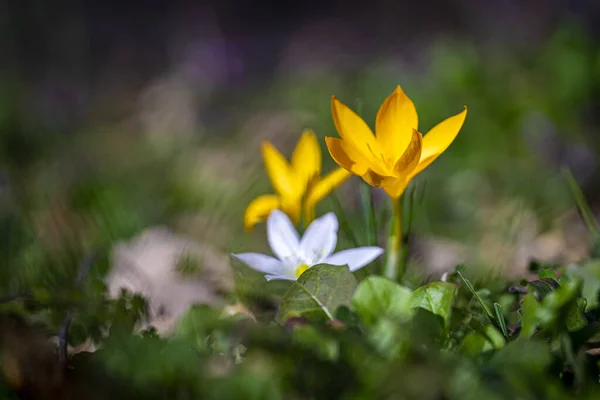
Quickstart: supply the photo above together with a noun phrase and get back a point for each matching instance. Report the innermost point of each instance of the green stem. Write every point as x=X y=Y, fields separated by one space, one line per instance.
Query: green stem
x=394 y=267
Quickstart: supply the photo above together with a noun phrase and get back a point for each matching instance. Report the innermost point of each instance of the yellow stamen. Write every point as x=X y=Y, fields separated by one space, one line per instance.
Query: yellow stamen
x=300 y=269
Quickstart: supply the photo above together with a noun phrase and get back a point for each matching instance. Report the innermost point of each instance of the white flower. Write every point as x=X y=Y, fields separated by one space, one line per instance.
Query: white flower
x=295 y=255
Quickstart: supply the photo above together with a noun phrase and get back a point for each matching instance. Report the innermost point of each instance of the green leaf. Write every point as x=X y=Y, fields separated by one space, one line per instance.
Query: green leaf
x=347 y=316
x=475 y=343
x=590 y=276
x=563 y=280
x=563 y=304
x=548 y=274
x=537 y=354
x=197 y=322
x=319 y=291
x=575 y=320
x=309 y=337
x=378 y=297
x=388 y=337
x=529 y=320
x=495 y=337
x=436 y=297
x=561 y=296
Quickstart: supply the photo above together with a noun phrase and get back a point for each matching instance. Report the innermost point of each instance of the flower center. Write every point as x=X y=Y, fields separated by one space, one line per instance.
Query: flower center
x=300 y=269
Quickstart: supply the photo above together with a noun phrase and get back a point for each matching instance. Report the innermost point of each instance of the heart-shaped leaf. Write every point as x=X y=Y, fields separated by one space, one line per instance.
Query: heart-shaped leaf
x=318 y=292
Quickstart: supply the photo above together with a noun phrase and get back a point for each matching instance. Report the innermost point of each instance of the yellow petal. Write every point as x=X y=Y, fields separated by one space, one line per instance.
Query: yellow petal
x=346 y=156
x=306 y=159
x=396 y=119
x=395 y=188
x=353 y=129
x=282 y=177
x=292 y=206
x=326 y=185
x=409 y=160
x=309 y=214
x=437 y=140
x=259 y=209
x=339 y=150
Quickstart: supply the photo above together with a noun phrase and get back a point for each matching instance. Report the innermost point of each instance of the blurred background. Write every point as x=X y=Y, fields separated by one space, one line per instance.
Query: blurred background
x=132 y=132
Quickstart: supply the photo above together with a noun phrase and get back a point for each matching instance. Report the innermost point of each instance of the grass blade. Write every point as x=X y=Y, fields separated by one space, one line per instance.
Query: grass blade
x=500 y=319
x=472 y=289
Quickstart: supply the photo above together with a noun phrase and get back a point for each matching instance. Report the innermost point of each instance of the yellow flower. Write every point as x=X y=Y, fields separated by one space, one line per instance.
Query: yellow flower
x=298 y=184
x=398 y=152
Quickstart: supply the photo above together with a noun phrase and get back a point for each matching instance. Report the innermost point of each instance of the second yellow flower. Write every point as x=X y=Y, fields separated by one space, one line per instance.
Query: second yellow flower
x=298 y=184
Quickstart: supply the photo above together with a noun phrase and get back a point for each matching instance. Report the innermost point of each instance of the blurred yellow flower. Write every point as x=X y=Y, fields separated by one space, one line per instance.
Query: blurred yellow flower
x=298 y=184
x=398 y=152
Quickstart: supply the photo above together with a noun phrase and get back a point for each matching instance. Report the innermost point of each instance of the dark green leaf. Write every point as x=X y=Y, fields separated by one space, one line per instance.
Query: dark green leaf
x=543 y=287
x=346 y=315
x=318 y=292
x=575 y=320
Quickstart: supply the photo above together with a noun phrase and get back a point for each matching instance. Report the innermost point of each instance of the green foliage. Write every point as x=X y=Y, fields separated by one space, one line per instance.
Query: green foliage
x=338 y=339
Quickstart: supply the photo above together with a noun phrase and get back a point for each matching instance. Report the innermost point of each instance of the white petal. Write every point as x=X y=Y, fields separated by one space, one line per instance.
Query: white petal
x=354 y=258
x=320 y=239
x=279 y=277
x=282 y=236
x=261 y=263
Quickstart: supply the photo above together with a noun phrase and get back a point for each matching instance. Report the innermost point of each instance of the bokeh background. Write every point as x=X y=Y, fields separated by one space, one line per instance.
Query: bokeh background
x=133 y=130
